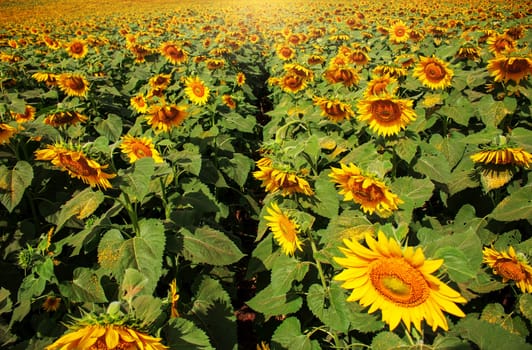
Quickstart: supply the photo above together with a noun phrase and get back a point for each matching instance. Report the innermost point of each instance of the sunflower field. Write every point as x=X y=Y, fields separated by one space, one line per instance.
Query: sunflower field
x=236 y=174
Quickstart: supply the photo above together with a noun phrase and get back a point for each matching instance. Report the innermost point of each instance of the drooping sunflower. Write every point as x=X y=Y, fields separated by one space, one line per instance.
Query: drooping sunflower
x=59 y=119
x=300 y=70
x=139 y=103
x=29 y=114
x=284 y=228
x=381 y=85
x=392 y=70
x=468 y=52
x=371 y=194
x=433 y=73
x=505 y=68
x=49 y=79
x=498 y=164
x=173 y=53
x=359 y=57
x=291 y=82
x=511 y=266
x=51 y=42
x=334 y=110
x=342 y=74
x=229 y=101
x=398 y=281
x=77 y=164
x=386 y=114
x=6 y=132
x=136 y=148
x=77 y=48
x=174 y=298
x=196 y=90
x=160 y=81
x=215 y=63
x=315 y=60
x=73 y=84
x=94 y=332
x=399 y=32
x=273 y=179
x=164 y=117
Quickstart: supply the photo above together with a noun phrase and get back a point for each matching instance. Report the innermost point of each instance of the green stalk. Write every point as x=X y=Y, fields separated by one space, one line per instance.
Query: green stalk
x=131 y=210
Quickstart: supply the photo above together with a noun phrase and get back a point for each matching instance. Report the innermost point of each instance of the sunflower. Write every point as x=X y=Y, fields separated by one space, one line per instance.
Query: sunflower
x=164 y=117
x=386 y=114
x=73 y=84
x=433 y=73
x=174 y=297
x=49 y=79
x=160 y=81
x=285 y=52
x=334 y=110
x=273 y=180
x=173 y=53
x=468 y=52
x=139 y=103
x=505 y=68
x=315 y=60
x=391 y=70
x=371 y=194
x=77 y=48
x=6 y=132
x=359 y=57
x=503 y=155
x=105 y=332
x=140 y=52
x=51 y=304
x=511 y=266
x=399 y=32
x=29 y=114
x=65 y=118
x=51 y=43
x=240 y=79
x=214 y=63
x=139 y=147
x=500 y=43
x=285 y=229
x=77 y=164
x=292 y=82
x=196 y=90
x=300 y=70
x=342 y=74
x=398 y=281
x=381 y=85
x=229 y=101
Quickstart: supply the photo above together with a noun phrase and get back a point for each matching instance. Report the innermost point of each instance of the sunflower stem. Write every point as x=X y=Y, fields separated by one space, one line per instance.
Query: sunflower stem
x=131 y=212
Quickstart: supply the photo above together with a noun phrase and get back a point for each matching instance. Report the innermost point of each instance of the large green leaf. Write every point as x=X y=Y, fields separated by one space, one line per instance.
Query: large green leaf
x=209 y=246
x=434 y=166
x=137 y=179
x=326 y=200
x=288 y=336
x=273 y=303
x=13 y=183
x=5 y=301
x=406 y=149
x=489 y=336
x=144 y=252
x=110 y=127
x=413 y=192
x=329 y=306
x=451 y=146
x=237 y=167
x=81 y=205
x=516 y=206
x=181 y=333
x=84 y=288
x=285 y=271
x=388 y=341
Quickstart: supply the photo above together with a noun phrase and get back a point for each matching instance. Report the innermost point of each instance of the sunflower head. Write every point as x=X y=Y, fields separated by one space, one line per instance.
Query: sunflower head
x=512 y=67
x=398 y=281
x=280 y=177
x=399 y=32
x=334 y=110
x=433 y=73
x=285 y=229
x=196 y=90
x=166 y=116
x=59 y=119
x=6 y=132
x=77 y=48
x=136 y=148
x=173 y=53
x=511 y=266
x=385 y=114
x=73 y=84
x=342 y=74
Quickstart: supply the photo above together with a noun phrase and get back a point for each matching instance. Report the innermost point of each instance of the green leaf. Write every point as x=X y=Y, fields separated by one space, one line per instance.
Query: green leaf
x=434 y=166
x=110 y=127
x=109 y=252
x=6 y=304
x=84 y=288
x=145 y=252
x=491 y=112
x=494 y=314
x=237 y=167
x=285 y=271
x=326 y=199
x=132 y=284
x=525 y=305
x=209 y=246
x=514 y=207
x=183 y=334
x=413 y=192
x=147 y=309
x=188 y=159
x=521 y=137
x=406 y=149
x=489 y=336
x=451 y=147
x=82 y=205
x=288 y=335
x=334 y=315
x=462 y=254
x=273 y=303
x=13 y=183
x=387 y=341
x=235 y=121
x=137 y=179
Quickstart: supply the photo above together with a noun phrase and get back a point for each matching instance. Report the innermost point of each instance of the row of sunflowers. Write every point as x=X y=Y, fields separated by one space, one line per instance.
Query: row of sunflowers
x=250 y=175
